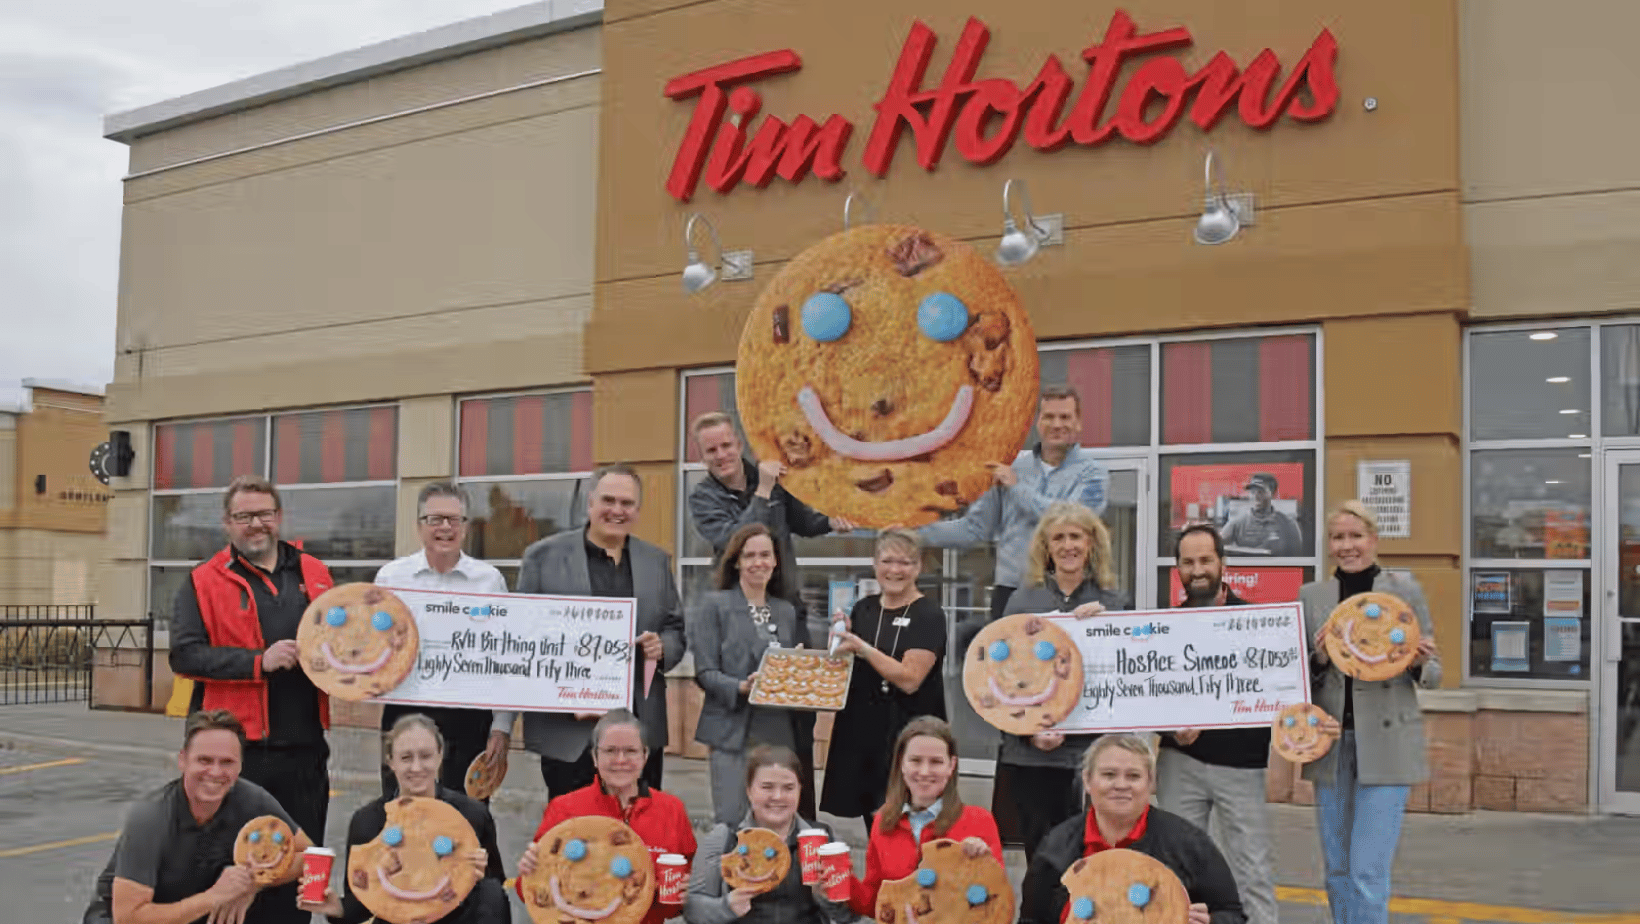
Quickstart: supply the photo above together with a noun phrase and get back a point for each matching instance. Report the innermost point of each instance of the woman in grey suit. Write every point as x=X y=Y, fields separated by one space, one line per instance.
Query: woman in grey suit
x=728 y=632
x=1361 y=785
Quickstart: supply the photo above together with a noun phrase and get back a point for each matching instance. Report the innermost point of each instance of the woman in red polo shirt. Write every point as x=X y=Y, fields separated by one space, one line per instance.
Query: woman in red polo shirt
x=1119 y=774
x=618 y=791
x=922 y=805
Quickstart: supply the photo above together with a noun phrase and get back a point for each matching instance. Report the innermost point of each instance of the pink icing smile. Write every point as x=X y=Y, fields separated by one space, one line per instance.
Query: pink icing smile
x=1349 y=644
x=371 y=667
x=585 y=914
x=406 y=896
x=1037 y=700
x=888 y=450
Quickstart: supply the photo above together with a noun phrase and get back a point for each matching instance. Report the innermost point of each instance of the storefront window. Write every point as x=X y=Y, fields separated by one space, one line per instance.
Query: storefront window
x=1620 y=380
x=1529 y=503
x=1529 y=623
x=1239 y=390
x=1275 y=584
x=523 y=464
x=1529 y=384
x=200 y=454
x=1262 y=502
x=1113 y=384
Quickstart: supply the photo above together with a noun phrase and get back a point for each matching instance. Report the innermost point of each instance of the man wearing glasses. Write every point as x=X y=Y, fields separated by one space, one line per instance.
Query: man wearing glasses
x=441 y=565
x=233 y=631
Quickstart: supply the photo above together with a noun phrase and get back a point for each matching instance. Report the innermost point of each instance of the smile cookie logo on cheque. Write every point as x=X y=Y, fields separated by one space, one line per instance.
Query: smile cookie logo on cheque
x=885 y=366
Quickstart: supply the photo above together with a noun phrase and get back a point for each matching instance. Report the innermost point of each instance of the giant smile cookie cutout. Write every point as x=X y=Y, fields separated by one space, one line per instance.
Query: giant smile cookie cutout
x=357 y=641
x=1022 y=674
x=885 y=366
x=949 y=887
x=1303 y=733
x=267 y=847
x=1372 y=636
x=483 y=777
x=1124 y=887
x=759 y=861
x=589 y=869
x=417 y=868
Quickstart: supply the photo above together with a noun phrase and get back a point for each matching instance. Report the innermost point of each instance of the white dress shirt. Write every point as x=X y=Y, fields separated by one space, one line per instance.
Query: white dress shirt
x=412 y=572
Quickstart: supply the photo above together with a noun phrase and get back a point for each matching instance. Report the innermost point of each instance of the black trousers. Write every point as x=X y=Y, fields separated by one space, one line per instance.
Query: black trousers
x=563 y=776
x=298 y=778
x=1042 y=797
x=466 y=734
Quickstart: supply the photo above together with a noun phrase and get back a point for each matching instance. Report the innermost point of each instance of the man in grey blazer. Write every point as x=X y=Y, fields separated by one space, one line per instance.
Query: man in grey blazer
x=603 y=559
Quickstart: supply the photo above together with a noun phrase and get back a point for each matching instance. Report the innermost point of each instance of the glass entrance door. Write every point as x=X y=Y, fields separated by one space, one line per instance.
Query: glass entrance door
x=1128 y=511
x=1618 y=707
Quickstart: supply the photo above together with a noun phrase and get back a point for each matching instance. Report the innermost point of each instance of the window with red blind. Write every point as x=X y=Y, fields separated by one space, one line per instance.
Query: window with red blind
x=1113 y=386
x=208 y=453
x=1240 y=390
x=526 y=435
x=702 y=394
x=335 y=446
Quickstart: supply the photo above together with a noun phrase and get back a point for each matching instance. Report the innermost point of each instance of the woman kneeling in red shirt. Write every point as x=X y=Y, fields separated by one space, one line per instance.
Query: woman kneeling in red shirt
x=922 y=805
x=658 y=818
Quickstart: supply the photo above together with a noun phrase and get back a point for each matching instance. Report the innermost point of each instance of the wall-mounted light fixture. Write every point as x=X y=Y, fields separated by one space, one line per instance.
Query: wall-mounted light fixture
x=848 y=210
x=1224 y=215
x=730 y=265
x=1021 y=244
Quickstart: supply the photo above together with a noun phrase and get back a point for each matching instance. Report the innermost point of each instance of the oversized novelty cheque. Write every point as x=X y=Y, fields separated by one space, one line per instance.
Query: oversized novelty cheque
x=1197 y=667
x=885 y=367
x=519 y=652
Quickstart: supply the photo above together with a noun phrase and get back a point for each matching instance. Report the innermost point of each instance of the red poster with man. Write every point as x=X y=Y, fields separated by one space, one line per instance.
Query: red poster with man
x=1254 y=505
x=1255 y=585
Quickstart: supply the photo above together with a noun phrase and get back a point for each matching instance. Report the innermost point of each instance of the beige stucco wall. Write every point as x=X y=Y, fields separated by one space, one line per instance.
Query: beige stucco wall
x=1548 y=128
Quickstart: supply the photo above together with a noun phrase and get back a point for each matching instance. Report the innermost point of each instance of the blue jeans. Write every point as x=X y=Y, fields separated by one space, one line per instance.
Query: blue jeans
x=1360 y=827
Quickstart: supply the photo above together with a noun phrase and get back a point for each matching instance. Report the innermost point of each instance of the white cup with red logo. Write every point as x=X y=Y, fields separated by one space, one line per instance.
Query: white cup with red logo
x=316 y=864
x=672 y=878
x=835 y=869
x=809 y=843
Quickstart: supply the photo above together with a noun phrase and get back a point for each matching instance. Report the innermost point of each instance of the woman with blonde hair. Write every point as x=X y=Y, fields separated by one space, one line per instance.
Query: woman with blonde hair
x=1069 y=572
x=1119 y=776
x=1362 y=783
x=898 y=640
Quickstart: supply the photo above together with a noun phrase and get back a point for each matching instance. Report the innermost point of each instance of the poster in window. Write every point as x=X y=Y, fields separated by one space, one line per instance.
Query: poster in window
x=1563 y=594
x=1562 y=638
x=1256 y=506
x=1255 y=585
x=1565 y=532
x=1386 y=489
x=1510 y=646
x=1491 y=592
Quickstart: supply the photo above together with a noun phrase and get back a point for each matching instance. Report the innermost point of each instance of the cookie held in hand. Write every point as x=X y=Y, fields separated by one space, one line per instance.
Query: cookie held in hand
x=267 y=847
x=589 y=869
x=1303 y=733
x=1372 y=636
x=357 y=641
x=759 y=861
x=949 y=887
x=417 y=867
x=1023 y=674
x=1122 y=886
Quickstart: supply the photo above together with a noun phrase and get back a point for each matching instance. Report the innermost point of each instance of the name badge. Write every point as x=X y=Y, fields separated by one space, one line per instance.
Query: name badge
x=901 y=621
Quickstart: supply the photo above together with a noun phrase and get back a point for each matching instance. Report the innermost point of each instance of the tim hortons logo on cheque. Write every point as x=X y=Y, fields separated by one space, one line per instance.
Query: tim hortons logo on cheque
x=986 y=116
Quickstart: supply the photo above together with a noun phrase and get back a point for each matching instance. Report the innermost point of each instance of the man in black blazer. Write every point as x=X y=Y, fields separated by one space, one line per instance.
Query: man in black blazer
x=604 y=559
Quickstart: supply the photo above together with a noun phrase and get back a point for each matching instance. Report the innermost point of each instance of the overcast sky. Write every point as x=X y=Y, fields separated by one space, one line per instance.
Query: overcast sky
x=64 y=64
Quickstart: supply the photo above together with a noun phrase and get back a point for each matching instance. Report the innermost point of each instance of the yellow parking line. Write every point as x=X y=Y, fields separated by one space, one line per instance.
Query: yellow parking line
x=57 y=845
x=65 y=762
x=1440 y=912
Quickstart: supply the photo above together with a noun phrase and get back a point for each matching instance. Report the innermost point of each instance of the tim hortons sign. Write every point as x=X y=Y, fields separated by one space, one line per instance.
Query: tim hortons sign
x=986 y=116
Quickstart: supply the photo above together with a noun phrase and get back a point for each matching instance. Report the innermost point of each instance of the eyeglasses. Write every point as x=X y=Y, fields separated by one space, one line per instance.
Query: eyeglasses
x=245 y=517
x=433 y=519
x=622 y=753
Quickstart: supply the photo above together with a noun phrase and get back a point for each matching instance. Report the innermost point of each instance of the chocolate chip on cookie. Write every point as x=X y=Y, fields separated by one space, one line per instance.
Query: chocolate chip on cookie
x=915 y=253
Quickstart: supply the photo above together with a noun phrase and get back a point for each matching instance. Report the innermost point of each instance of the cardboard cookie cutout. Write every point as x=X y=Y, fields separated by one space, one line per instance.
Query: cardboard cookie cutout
x=1122 y=886
x=1372 y=636
x=267 y=847
x=590 y=869
x=484 y=778
x=759 y=861
x=417 y=868
x=357 y=641
x=949 y=887
x=885 y=366
x=1023 y=674
x=1303 y=733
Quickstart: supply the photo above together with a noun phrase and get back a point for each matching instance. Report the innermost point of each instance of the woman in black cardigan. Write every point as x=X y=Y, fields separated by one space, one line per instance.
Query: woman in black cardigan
x=1119 y=774
x=415 y=750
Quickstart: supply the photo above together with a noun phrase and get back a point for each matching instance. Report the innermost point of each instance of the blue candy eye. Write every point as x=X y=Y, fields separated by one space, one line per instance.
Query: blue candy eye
x=1397 y=636
x=393 y=837
x=1045 y=650
x=977 y=894
x=1139 y=894
x=942 y=316
x=620 y=867
x=382 y=620
x=926 y=878
x=827 y=316
x=336 y=616
x=1289 y=721
x=742 y=850
x=278 y=837
x=1083 y=908
x=255 y=837
x=1314 y=720
x=1372 y=611
x=768 y=853
x=575 y=850
x=443 y=846
x=999 y=651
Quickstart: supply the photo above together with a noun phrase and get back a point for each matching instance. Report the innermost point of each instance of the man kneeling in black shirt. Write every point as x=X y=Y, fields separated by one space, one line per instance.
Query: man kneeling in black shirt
x=173 y=863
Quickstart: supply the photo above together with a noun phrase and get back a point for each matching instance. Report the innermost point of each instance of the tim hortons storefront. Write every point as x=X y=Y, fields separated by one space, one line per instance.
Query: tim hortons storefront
x=1351 y=310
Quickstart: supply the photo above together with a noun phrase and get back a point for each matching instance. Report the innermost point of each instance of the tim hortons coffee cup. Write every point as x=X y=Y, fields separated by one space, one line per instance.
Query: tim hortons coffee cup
x=672 y=878
x=809 y=843
x=316 y=863
x=836 y=867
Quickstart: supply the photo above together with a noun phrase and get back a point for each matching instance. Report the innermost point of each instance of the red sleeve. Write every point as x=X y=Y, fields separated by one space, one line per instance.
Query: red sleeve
x=984 y=826
x=862 y=894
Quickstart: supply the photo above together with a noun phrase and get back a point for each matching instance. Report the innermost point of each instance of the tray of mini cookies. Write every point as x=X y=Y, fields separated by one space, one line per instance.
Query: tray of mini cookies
x=802 y=678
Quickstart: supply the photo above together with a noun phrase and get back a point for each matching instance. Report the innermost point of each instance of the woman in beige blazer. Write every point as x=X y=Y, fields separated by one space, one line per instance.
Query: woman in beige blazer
x=1361 y=785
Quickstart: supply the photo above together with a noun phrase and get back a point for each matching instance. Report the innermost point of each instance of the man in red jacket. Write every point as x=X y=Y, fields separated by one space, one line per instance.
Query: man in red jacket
x=233 y=631
x=618 y=791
